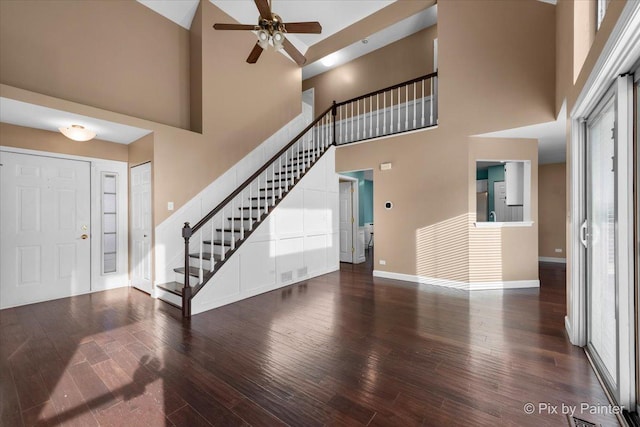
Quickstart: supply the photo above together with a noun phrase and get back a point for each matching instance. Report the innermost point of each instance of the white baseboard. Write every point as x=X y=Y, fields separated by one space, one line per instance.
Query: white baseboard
x=454 y=284
x=552 y=259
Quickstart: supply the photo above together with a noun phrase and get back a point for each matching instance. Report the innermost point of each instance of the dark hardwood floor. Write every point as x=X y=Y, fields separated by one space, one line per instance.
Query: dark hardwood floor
x=341 y=349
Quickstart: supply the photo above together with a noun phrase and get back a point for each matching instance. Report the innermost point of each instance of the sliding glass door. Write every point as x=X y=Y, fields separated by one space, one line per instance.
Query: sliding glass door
x=600 y=236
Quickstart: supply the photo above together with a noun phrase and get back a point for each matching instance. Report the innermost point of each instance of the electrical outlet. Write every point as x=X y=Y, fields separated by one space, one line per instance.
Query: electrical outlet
x=382 y=262
x=170 y=206
x=558 y=250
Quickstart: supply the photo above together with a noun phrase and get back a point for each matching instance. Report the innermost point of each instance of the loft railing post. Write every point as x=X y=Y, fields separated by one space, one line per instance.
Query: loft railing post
x=334 y=113
x=186 y=289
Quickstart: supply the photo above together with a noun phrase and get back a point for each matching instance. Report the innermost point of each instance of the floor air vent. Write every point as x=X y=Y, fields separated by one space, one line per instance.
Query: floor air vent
x=579 y=422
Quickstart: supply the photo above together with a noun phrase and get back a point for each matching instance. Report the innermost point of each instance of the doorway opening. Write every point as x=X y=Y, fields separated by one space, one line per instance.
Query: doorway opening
x=360 y=232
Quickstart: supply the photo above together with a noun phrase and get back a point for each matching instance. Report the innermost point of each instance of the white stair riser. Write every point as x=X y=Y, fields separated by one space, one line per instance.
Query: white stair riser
x=192 y=280
x=195 y=262
x=169 y=297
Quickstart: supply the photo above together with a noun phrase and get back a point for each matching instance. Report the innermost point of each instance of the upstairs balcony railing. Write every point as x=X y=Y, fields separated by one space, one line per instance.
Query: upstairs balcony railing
x=399 y=108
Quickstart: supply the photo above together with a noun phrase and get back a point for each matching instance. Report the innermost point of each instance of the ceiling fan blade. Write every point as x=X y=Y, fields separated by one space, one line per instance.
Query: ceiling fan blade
x=293 y=52
x=255 y=54
x=235 y=27
x=264 y=8
x=303 y=27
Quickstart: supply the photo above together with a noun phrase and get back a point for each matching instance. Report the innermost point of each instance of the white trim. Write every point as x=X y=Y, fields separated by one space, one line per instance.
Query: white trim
x=624 y=239
x=454 y=284
x=491 y=224
x=552 y=259
x=567 y=326
x=620 y=52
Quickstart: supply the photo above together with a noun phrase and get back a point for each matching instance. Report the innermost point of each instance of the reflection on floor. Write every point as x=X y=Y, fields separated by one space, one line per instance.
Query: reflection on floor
x=341 y=349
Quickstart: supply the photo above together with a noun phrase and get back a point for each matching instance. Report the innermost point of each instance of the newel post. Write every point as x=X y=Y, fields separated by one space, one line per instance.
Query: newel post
x=186 y=289
x=334 y=113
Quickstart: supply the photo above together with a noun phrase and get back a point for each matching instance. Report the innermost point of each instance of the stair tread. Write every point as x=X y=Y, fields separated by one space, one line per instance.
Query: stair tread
x=230 y=230
x=172 y=287
x=217 y=242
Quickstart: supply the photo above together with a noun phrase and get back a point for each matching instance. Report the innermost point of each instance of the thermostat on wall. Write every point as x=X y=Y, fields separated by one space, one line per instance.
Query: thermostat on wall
x=385 y=166
x=388 y=205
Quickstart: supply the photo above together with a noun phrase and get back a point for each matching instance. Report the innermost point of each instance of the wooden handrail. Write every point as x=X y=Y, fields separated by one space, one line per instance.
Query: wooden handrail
x=249 y=180
x=377 y=92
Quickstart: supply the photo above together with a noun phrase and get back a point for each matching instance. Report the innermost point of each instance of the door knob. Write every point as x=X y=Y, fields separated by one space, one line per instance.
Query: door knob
x=84 y=236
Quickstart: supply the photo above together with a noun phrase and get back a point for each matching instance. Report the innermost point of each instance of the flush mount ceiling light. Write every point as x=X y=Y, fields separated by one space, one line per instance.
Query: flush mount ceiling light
x=77 y=133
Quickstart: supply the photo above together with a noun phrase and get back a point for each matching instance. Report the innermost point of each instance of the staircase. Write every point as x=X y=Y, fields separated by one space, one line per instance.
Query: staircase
x=214 y=239
x=217 y=236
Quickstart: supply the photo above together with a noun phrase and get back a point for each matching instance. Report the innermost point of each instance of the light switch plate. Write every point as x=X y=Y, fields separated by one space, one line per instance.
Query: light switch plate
x=170 y=206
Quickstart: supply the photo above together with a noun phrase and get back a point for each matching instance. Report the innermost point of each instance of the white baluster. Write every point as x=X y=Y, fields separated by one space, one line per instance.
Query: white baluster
x=414 y=104
x=222 y=251
x=391 y=111
x=352 y=122
x=200 y=269
x=297 y=166
x=399 y=121
x=251 y=203
x=279 y=177
x=358 y=121
x=431 y=103
x=233 y=228
x=370 y=116
x=266 y=192
x=273 y=183
x=422 y=102
x=377 y=114
x=384 y=113
x=406 y=107
x=242 y=214
x=344 y=120
x=211 y=257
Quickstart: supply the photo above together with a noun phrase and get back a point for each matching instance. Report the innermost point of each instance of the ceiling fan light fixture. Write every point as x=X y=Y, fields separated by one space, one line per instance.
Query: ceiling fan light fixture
x=263 y=39
x=278 y=39
x=77 y=133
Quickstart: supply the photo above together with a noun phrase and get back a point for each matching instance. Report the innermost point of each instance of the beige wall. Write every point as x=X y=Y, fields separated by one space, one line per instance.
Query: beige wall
x=552 y=209
x=55 y=142
x=493 y=76
x=136 y=86
x=364 y=75
x=115 y=55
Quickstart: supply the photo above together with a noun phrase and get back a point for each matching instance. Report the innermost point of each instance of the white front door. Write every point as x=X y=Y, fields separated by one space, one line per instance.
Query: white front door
x=346 y=223
x=44 y=228
x=141 y=227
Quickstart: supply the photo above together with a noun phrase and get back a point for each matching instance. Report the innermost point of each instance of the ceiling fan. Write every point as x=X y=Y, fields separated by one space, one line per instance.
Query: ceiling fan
x=271 y=27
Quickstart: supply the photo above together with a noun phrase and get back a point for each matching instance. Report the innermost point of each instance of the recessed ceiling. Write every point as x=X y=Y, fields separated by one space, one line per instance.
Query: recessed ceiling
x=35 y=116
x=395 y=32
x=551 y=137
x=333 y=15
x=179 y=11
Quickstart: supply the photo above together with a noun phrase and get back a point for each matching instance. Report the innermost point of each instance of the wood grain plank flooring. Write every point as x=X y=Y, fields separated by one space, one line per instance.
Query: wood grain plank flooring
x=343 y=349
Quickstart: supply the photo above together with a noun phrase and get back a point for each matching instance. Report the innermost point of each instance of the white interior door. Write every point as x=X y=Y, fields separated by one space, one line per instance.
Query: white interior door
x=346 y=223
x=44 y=233
x=141 y=227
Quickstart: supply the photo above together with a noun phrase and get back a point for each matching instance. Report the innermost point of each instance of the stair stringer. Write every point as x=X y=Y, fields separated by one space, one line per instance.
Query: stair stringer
x=297 y=241
x=168 y=240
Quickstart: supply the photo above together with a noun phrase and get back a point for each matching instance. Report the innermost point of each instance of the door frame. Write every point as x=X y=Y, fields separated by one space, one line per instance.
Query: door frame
x=354 y=211
x=152 y=290
x=100 y=282
x=599 y=83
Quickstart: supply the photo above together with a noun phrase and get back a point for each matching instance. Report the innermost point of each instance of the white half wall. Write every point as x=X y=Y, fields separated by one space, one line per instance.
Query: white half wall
x=168 y=238
x=297 y=241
